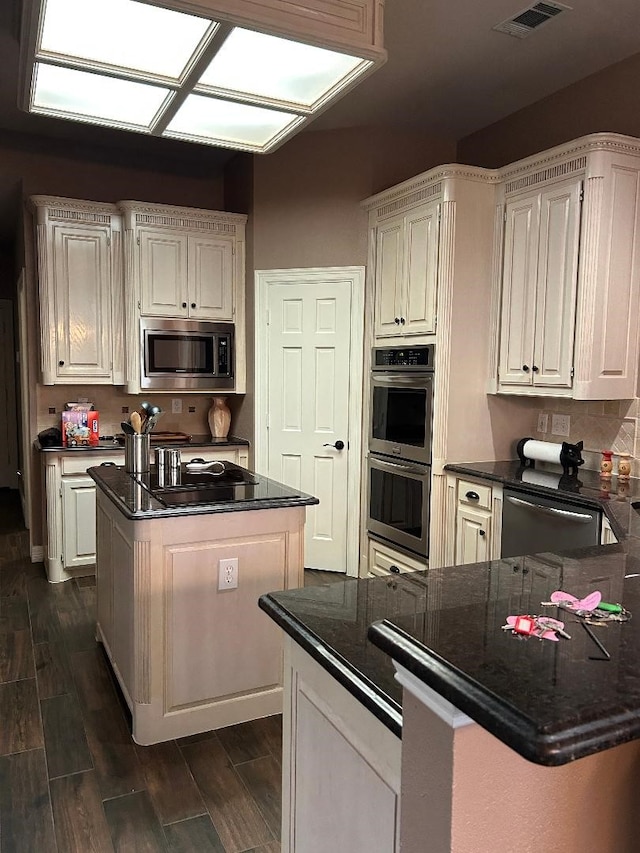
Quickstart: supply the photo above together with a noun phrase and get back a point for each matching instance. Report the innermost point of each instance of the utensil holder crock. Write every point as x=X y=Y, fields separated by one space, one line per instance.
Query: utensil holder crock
x=136 y=453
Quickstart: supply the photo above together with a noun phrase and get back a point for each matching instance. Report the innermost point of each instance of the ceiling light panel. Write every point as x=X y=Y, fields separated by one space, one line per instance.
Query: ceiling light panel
x=121 y=34
x=279 y=70
x=69 y=93
x=229 y=124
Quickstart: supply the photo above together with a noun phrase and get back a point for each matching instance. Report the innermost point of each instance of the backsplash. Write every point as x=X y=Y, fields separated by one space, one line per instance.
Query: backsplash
x=109 y=401
x=601 y=425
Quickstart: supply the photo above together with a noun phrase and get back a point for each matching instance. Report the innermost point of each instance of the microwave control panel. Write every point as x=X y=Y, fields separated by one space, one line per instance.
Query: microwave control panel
x=420 y=357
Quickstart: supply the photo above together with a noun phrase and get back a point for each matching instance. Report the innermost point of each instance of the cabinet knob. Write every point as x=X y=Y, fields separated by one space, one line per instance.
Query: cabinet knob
x=535 y=369
x=193 y=304
x=525 y=367
x=472 y=496
x=184 y=304
x=402 y=321
x=396 y=320
x=481 y=532
x=394 y=569
x=61 y=363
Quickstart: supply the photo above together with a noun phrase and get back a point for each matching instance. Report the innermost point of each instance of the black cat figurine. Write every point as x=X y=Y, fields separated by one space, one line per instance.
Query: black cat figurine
x=571 y=457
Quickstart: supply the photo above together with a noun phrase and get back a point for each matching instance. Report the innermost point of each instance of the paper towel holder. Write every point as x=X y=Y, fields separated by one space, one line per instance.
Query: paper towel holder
x=568 y=455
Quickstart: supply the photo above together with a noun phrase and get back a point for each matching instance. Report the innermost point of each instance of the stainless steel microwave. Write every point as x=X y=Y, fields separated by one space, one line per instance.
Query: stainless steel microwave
x=186 y=355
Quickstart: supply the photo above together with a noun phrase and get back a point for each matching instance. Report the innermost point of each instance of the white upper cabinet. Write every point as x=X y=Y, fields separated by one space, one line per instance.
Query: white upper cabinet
x=568 y=284
x=406 y=269
x=80 y=291
x=183 y=261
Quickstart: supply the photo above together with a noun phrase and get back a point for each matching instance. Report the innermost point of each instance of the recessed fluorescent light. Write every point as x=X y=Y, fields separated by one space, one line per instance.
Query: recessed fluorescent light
x=121 y=34
x=278 y=69
x=228 y=123
x=67 y=92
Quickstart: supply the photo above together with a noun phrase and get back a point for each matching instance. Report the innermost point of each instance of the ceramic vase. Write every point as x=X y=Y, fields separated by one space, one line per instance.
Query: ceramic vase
x=219 y=418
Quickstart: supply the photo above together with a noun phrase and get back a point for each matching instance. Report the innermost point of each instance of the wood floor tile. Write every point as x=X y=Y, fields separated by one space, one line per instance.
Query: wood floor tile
x=12 y=579
x=16 y=656
x=53 y=672
x=25 y=812
x=45 y=623
x=88 y=580
x=174 y=794
x=133 y=825
x=272 y=729
x=20 y=727
x=64 y=738
x=117 y=767
x=14 y=614
x=196 y=835
x=233 y=811
x=263 y=778
x=244 y=741
x=79 y=820
x=272 y=847
x=79 y=628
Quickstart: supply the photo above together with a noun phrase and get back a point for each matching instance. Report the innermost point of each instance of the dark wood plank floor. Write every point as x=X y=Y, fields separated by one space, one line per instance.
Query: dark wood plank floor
x=71 y=778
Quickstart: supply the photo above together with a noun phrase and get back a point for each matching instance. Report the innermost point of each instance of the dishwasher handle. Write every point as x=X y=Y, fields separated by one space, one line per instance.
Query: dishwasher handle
x=577 y=517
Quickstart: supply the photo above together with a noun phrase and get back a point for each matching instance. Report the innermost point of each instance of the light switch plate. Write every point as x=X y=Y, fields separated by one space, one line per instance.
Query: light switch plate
x=561 y=425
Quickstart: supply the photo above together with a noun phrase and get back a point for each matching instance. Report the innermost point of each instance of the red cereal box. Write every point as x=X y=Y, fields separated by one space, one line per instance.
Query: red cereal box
x=80 y=429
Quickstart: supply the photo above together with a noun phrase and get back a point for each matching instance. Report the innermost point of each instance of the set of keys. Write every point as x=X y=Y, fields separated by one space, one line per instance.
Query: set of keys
x=543 y=627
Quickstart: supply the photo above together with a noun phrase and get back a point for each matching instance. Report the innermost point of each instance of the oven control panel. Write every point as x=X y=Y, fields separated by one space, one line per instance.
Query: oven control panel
x=420 y=357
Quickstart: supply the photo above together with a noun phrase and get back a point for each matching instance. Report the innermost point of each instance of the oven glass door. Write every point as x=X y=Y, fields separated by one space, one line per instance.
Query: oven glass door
x=401 y=415
x=399 y=503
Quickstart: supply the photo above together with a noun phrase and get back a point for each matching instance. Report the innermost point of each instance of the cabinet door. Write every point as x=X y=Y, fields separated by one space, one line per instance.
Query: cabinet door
x=421 y=270
x=78 y=521
x=81 y=338
x=557 y=281
x=388 y=278
x=210 y=276
x=163 y=273
x=473 y=536
x=519 y=291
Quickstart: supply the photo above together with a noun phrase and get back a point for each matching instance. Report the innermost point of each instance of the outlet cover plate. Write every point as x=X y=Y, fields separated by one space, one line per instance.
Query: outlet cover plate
x=176 y=406
x=228 y=574
x=561 y=425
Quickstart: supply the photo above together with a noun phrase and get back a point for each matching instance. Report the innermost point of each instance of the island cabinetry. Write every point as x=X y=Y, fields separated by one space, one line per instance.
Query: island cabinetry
x=475 y=520
x=406 y=267
x=80 y=291
x=191 y=656
x=569 y=281
x=341 y=766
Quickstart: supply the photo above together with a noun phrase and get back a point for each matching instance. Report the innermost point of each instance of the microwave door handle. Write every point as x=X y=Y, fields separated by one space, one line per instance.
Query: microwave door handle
x=578 y=517
x=396 y=466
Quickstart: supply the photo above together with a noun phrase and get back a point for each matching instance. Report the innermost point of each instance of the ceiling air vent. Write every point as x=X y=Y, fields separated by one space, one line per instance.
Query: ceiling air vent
x=525 y=22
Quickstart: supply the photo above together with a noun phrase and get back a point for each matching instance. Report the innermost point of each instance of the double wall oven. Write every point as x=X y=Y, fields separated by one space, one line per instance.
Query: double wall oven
x=399 y=466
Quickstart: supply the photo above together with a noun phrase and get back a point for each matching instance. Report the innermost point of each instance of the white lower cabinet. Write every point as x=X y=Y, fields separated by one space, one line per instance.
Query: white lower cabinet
x=78 y=522
x=475 y=521
x=383 y=560
x=340 y=766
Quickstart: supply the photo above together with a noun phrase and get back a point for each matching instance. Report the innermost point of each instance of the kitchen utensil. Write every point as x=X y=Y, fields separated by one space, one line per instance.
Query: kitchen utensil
x=127 y=429
x=152 y=419
x=136 y=422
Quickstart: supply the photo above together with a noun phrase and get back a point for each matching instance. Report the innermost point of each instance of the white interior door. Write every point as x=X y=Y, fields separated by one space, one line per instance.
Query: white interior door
x=8 y=413
x=308 y=401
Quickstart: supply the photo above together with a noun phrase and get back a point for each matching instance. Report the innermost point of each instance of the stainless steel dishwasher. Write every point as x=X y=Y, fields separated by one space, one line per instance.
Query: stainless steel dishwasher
x=532 y=524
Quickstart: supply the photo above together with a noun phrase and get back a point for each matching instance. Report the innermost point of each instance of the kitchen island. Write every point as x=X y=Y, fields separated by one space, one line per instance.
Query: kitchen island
x=501 y=742
x=179 y=572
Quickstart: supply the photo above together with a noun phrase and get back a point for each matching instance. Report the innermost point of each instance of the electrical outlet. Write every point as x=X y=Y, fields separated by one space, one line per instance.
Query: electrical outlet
x=543 y=422
x=228 y=573
x=560 y=424
x=176 y=406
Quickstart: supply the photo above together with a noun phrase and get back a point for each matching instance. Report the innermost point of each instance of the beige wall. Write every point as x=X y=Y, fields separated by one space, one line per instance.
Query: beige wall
x=606 y=101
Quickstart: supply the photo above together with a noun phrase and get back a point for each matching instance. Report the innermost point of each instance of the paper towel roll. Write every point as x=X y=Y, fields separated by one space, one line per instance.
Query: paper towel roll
x=544 y=451
x=541 y=478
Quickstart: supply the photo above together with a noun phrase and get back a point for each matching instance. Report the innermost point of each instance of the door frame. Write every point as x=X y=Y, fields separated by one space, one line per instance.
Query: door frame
x=354 y=278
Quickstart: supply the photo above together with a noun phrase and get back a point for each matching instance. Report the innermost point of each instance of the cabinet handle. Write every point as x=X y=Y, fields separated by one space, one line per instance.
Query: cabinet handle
x=525 y=367
x=394 y=569
x=184 y=304
x=472 y=496
x=193 y=304
x=535 y=369
x=61 y=364
x=481 y=532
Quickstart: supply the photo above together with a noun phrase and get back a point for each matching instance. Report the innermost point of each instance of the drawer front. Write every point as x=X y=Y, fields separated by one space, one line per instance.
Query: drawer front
x=224 y=454
x=77 y=463
x=384 y=561
x=474 y=494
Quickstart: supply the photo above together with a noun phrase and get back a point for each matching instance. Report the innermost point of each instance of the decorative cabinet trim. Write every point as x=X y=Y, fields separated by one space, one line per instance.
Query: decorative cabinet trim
x=551 y=173
x=138 y=214
x=142 y=622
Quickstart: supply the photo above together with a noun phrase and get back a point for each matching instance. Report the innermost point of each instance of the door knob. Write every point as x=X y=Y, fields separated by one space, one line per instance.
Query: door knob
x=338 y=445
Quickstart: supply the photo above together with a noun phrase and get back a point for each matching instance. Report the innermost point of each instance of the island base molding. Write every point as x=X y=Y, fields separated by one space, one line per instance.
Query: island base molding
x=188 y=656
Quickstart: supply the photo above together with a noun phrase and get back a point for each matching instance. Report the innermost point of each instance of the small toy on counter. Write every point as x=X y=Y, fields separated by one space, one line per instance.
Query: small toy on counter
x=591 y=606
x=543 y=627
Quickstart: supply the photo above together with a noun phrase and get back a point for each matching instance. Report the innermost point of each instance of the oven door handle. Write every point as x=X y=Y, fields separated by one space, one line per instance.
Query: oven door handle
x=416 y=380
x=396 y=466
x=578 y=517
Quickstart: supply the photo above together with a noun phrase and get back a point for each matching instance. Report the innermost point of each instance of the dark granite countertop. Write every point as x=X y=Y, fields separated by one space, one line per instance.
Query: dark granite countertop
x=111 y=445
x=548 y=701
x=134 y=500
